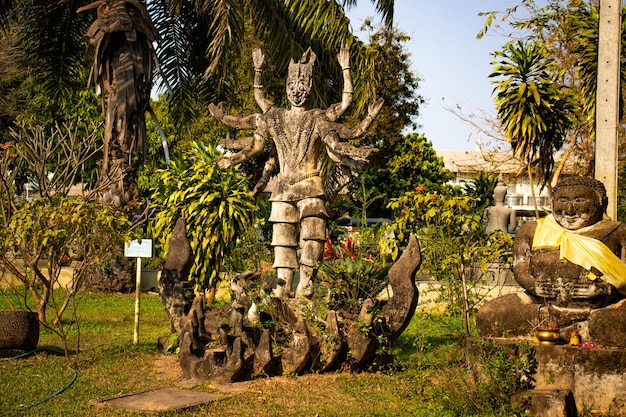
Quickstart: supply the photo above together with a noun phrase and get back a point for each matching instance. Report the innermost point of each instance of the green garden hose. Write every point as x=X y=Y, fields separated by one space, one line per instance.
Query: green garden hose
x=26 y=407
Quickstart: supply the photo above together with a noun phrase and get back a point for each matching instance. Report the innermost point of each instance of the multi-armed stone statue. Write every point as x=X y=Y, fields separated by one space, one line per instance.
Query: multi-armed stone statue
x=571 y=264
x=266 y=330
x=298 y=135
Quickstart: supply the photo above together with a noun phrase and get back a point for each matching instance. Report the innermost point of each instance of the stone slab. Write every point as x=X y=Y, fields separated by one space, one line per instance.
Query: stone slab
x=160 y=400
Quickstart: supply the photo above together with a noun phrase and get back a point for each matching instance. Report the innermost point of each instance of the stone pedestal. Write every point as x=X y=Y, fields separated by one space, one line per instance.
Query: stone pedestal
x=595 y=376
x=570 y=379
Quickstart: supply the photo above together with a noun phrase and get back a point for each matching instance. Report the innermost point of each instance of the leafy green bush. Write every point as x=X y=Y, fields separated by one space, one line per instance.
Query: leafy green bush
x=216 y=204
x=455 y=248
x=47 y=234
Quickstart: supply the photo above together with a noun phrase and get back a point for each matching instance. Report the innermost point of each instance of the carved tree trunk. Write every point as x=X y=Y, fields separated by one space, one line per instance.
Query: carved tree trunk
x=121 y=38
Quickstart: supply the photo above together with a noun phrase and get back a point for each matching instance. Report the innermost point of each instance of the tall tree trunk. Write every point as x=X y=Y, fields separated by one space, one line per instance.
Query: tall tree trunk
x=122 y=37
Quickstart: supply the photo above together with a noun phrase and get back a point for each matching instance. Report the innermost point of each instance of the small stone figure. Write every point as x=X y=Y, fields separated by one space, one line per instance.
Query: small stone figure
x=500 y=216
x=571 y=261
x=298 y=202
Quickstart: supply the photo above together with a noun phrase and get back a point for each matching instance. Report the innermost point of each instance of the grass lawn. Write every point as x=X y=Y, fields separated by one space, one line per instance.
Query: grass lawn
x=431 y=378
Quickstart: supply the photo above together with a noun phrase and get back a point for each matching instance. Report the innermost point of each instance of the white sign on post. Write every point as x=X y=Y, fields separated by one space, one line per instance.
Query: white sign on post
x=138 y=249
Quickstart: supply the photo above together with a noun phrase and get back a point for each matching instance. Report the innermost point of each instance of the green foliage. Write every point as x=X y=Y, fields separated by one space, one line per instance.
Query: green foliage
x=415 y=163
x=406 y=165
x=481 y=187
x=534 y=109
x=216 y=205
x=353 y=272
x=396 y=84
x=38 y=238
x=485 y=386
x=352 y=275
x=250 y=250
x=403 y=161
x=203 y=49
x=44 y=235
x=455 y=248
x=569 y=30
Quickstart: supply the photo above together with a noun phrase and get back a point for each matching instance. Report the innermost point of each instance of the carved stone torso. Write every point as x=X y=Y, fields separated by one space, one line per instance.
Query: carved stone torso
x=498 y=217
x=298 y=140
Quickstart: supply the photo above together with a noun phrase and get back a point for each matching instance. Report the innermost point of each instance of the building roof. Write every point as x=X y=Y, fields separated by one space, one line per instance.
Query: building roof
x=462 y=161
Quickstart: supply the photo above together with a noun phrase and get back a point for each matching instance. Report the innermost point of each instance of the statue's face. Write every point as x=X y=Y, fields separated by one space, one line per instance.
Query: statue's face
x=576 y=207
x=298 y=89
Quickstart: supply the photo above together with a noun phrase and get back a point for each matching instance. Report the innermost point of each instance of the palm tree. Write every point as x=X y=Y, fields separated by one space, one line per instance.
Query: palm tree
x=201 y=42
x=534 y=110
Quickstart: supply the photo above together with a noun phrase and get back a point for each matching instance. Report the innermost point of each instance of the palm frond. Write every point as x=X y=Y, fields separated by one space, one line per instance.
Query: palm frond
x=384 y=7
x=53 y=38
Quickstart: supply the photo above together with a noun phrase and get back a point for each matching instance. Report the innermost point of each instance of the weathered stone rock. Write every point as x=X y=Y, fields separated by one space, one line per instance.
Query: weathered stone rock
x=332 y=346
x=511 y=315
x=174 y=285
x=263 y=359
x=362 y=347
x=179 y=253
x=547 y=403
x=398 y=311
x=234 y=369
x=298 y=355
x=607 y=327
x=174 y=299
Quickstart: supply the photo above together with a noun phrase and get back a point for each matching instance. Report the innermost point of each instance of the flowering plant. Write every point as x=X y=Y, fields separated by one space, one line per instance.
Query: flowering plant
x=350 y=274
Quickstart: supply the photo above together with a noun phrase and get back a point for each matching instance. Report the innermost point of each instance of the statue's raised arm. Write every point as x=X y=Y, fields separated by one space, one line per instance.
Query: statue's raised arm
x=236 y=122
x=373 y=109
x=336 y=110
x=258 y=59
x=251 y=147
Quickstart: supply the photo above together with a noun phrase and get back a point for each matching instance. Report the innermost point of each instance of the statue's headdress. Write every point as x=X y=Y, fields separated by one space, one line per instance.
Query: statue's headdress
x=302 y=69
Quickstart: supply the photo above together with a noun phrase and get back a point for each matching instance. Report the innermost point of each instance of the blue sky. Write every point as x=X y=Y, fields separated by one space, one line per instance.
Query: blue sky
x=454 y=66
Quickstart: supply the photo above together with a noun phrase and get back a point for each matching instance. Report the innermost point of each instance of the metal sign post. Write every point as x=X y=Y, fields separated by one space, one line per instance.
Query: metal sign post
x=138 y=249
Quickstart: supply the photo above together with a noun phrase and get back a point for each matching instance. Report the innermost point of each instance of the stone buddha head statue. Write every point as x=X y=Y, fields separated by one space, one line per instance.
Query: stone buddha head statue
x=578 y=202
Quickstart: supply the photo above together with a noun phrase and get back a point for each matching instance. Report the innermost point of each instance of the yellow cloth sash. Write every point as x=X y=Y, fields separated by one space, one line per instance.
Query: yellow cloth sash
x=584 y=251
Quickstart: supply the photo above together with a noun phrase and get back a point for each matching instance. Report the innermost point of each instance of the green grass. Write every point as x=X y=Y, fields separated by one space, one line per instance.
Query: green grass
x=429 y=361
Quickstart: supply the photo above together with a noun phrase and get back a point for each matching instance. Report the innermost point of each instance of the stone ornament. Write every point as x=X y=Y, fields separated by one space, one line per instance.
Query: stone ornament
x=267 y=329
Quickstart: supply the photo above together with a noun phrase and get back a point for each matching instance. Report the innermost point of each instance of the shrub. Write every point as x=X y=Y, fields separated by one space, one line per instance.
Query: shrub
x=217 y=205
x=47 y=234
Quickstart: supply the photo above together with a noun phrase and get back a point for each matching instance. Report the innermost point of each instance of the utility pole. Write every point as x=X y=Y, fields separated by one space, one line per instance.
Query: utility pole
x=607 y=99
